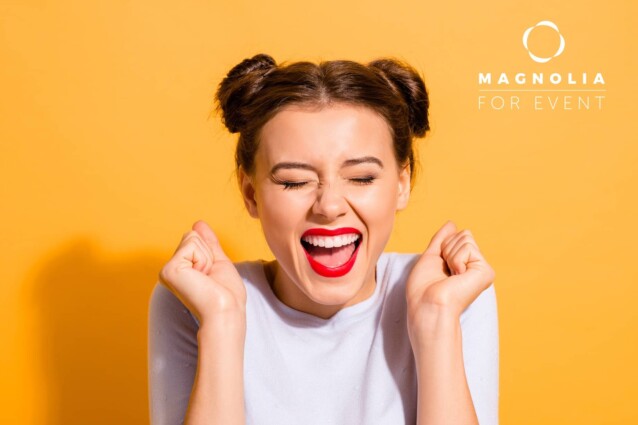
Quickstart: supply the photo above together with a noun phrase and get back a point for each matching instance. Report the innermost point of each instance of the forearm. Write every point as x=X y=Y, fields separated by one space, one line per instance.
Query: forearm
x=217 y=396
x=443 y=393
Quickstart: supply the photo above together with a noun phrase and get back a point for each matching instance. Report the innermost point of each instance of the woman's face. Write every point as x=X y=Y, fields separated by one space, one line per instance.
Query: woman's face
x=326 y=188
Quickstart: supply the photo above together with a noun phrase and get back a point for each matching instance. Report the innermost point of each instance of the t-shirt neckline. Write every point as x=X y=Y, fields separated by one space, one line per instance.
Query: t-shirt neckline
x=348 y=313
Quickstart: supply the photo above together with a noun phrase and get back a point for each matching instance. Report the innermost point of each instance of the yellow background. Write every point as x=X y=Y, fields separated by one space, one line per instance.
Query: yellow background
x=109 y=153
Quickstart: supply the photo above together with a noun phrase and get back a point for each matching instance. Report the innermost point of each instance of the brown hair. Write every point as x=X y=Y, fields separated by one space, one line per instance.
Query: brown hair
x=257 y=88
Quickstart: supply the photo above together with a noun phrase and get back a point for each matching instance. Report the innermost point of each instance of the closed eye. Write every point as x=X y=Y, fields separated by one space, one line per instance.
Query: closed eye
x=289 y=184
x=292 y=185
x=363 y=180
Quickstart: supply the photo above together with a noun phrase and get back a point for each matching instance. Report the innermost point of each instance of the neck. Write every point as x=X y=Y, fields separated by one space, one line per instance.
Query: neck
x=291 y=295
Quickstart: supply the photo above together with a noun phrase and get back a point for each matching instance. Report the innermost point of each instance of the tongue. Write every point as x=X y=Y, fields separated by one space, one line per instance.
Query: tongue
x=331 y=257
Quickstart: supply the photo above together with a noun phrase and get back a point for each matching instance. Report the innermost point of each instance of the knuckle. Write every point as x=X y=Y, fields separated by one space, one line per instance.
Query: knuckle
x=189 y=235
x=164 y=274
x=470 y=246
x=489 y=274
x=191 y=244
x=169 y=270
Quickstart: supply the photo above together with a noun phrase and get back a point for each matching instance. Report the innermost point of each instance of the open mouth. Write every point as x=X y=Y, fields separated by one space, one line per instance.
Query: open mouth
x=331 y=253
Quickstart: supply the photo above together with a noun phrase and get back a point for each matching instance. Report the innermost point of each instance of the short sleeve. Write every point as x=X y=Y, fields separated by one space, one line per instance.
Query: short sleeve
x=479 y=327
x=172 y=357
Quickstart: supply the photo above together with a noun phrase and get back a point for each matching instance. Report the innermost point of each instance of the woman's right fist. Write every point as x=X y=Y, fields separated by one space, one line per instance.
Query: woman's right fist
x=203 y=277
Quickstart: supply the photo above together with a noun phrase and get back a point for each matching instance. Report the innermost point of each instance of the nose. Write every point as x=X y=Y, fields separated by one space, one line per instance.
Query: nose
x=330 y=203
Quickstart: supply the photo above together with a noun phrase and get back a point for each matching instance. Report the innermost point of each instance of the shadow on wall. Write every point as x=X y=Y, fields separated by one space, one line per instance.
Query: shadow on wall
x=93 y=321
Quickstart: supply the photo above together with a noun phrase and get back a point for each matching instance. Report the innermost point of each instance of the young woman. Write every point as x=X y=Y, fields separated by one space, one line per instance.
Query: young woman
x=334 y=330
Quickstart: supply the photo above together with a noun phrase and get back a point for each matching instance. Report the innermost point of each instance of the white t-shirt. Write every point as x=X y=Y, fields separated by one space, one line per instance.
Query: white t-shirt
x=354 y=368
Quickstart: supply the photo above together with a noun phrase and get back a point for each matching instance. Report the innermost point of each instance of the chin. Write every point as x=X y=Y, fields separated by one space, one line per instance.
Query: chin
x=338 y=291
x=321 y=289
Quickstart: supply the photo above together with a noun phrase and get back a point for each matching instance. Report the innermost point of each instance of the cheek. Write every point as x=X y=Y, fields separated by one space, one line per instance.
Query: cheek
x=281 y=213
x=376 y=203
x=376 y=209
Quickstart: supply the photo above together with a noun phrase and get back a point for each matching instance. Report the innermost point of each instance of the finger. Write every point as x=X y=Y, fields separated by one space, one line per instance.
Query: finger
x=193 y=252
x=205 y=262
x=470 y=285
x=448 y=244
x=184 y=259
x=436 y=244
x=209 y=237
x=464 y=255
x=453 y=244
x=194 y=239
x=182 y=241
x=461 y=245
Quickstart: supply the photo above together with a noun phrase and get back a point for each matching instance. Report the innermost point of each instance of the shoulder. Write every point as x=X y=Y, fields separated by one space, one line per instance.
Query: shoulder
x=396 y=267
x=165 y=307
x=479 y=329
x=255 y=281
x=253 y=275
x=482 y=308
x=251 y=271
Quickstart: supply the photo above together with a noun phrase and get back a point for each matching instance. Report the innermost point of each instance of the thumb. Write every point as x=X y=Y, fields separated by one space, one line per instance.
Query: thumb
x=435 y=245
x=206 y=233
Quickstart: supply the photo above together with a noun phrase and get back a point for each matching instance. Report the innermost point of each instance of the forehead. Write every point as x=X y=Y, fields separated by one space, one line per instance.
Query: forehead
x=332 y=133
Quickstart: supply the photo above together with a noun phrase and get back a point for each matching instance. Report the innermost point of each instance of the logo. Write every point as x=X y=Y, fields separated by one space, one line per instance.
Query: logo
x=543 y=87
x=529 y=30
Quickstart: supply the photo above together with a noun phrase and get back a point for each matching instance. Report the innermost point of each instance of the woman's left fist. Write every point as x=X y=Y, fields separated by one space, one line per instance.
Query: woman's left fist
x=450 y=273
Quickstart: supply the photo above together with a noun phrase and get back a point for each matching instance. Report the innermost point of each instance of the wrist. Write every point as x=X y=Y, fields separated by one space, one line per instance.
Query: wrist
x=433 y=323
x=226 y=326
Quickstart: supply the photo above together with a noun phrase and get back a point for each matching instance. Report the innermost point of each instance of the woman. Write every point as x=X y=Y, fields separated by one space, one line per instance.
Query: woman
x=333 y=331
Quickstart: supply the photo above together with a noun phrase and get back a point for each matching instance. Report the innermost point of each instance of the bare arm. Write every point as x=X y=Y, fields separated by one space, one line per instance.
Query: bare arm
x=218 y=392
x=443 y=393
x=204 y=280
x=448 y=277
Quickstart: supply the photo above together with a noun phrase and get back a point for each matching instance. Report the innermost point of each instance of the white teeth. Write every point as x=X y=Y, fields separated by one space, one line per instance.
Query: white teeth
x=331 y=241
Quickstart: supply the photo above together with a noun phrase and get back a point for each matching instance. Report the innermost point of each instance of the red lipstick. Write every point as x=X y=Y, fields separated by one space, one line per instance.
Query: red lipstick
x=320 y=231
x=324 y=270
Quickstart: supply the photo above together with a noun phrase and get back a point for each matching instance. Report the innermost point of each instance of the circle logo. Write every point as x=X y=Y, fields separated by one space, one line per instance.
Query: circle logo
x=549 y=24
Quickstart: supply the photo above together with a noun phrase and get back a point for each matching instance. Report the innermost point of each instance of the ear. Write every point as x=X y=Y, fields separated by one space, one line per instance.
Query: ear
x=247 y=188
x=404 y=187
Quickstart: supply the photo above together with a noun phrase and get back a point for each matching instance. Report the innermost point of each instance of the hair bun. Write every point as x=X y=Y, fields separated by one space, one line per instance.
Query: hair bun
x=258 y=63
x=238 y=88
x=406 y=82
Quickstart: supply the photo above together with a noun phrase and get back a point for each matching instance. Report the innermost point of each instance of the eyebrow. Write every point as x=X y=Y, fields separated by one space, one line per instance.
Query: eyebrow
x=346 y=163
x=362 y=160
